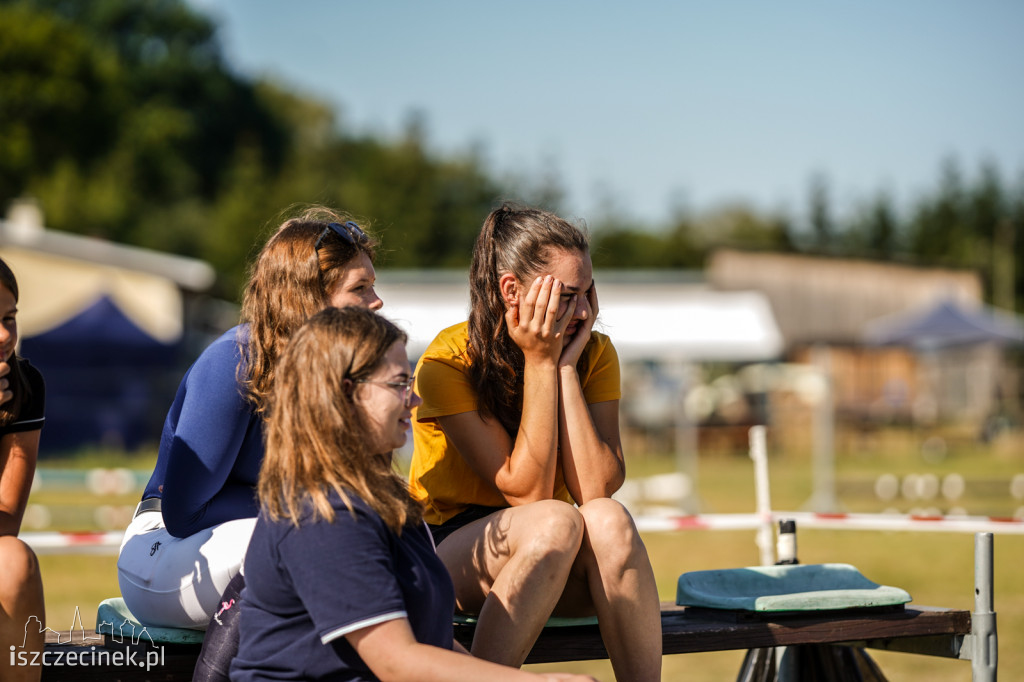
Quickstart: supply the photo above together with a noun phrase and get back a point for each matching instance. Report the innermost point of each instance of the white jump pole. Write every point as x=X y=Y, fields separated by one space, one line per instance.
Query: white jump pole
x=765 y=531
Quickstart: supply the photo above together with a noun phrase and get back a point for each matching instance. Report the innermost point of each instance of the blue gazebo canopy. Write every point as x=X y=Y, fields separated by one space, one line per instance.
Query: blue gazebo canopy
x=947 y=324
x=107 y=380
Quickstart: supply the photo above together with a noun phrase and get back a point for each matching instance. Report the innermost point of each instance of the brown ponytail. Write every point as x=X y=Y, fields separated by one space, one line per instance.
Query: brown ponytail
x=518 y=240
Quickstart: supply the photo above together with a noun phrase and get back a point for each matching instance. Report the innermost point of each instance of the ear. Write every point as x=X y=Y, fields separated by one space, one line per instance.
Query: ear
x=348 y=386
x=509 y=289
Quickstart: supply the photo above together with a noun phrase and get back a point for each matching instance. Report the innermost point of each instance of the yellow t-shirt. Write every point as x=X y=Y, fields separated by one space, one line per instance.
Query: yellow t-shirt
x=439 y=476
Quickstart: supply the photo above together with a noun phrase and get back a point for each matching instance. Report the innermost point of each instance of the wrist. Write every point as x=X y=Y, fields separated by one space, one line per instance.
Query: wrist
x=541 y=363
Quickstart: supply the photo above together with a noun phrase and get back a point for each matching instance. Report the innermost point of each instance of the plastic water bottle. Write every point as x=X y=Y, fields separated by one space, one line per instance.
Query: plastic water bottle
x=785 y=546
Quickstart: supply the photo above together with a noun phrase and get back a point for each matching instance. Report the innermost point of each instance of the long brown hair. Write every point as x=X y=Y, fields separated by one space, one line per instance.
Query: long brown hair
x=317 y=436
x=11 y=410
x=288 y=282
x=518 y=240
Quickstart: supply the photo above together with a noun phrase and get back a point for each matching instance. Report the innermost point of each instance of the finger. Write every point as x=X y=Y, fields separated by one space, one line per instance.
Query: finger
x=528 y=305
x=565 y=320
x=592 y=298
x=4 y=369
x=512 y=317
x=554 y=300
x=570 y=309
x=5 y=396
x=559 y=323
x=544 y=297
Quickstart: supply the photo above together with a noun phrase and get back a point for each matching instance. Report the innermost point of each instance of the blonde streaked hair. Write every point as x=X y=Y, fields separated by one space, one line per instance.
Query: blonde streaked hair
x=317 y=435
x=288 y=282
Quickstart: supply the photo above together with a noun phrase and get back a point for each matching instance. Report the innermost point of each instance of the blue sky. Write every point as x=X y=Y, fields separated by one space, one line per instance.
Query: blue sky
x=658 y=104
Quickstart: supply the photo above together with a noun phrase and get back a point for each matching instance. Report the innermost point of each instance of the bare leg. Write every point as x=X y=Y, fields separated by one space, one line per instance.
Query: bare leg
x=511 y=568
x=21 y=598
x=614 y=579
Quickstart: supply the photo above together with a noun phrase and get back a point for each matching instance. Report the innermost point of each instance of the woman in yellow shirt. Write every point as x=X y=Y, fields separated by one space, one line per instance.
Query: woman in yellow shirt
x=517 y=452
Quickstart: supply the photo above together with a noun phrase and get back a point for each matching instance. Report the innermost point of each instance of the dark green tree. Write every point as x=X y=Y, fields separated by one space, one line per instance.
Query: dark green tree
x=132 y=114
x=820 y=213
x=121 y=117
x=873 y=231
x=59 y=97
x=939 y=231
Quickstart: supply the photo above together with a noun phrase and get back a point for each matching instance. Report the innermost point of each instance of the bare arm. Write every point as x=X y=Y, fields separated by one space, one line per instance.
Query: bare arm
x=591 y=446
x=522 y=470
x=18 y=453
x=393 y=654
x=591 y=456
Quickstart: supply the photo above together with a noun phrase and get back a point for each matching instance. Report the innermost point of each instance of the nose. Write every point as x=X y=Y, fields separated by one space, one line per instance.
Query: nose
x=376 y=303
x=413 y=400
x=581 y=307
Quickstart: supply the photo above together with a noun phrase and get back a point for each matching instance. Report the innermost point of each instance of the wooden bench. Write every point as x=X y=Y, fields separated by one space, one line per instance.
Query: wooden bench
x=925 y=630
x=917 y=629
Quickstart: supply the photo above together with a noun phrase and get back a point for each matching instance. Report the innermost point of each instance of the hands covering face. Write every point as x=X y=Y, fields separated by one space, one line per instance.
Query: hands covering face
x=578 y=333
x=551 y=323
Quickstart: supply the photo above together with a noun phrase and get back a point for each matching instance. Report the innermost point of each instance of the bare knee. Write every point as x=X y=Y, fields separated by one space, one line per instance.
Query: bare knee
x=554 y=527
x=18 y=563
x=21 y=586
x=610 y=531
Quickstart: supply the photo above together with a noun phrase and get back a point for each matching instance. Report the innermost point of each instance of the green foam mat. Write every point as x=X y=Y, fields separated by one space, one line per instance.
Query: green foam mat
x=811 y=587
x=113 y=618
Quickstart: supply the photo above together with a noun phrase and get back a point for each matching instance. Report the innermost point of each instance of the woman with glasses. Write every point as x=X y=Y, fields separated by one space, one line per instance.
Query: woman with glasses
x=192 y=527
x=517 y=452
x=342 y=580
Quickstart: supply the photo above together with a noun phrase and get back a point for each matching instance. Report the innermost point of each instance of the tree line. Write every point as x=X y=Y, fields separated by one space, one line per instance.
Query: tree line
x=124 y=120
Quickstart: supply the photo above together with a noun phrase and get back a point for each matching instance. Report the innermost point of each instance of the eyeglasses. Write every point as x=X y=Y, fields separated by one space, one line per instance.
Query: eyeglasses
x=405 y=387
x=349 y=231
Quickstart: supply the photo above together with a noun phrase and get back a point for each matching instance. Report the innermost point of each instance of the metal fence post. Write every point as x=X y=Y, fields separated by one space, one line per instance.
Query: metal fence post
x=984 y=642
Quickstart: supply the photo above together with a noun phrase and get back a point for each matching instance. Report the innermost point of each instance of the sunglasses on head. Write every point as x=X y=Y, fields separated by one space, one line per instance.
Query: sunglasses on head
x=349 y=231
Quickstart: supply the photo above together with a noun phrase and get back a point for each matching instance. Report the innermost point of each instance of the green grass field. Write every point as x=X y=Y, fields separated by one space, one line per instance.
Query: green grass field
x=936 y=568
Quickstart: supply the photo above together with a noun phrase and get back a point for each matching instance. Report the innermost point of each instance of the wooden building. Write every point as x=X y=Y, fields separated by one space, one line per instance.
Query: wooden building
x=822 y=302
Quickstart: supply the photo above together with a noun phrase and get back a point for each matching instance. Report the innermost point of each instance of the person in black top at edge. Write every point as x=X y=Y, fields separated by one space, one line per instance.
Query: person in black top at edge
x=22 y=399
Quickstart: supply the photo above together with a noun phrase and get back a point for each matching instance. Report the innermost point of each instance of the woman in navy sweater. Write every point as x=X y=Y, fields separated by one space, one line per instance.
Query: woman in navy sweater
x=192 y=527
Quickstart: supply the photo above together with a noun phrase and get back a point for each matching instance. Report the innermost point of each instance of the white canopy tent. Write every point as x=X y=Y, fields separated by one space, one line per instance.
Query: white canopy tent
x=689 y=324
x=657 y=321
